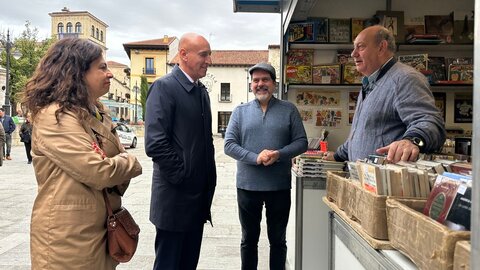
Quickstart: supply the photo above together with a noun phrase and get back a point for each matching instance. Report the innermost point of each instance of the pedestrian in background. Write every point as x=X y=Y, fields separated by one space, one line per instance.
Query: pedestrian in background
x=2 y=142
x=178 y=138
x=263 y=135
x=76 y=155
x=9 y=128
x=26 y=137
x=396 y=114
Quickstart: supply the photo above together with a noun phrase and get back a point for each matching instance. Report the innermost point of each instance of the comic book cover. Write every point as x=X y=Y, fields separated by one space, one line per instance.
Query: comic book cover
x=417 y=61
x=351 y=75
x=461 y=73
x=300 y=57
x=321 y=29
x=298 y=74
x=437 y=65
x=358 y=24
x=326 y=74
x=339 y=30
x=344 y=56
x=301 y=32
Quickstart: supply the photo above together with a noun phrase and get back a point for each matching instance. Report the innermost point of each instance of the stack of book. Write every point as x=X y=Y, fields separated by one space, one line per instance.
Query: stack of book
x=403 y=179
x=423 y=39
x=315 y=166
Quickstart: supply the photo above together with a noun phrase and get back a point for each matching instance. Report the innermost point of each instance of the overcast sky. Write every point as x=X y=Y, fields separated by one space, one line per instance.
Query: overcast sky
x=136 y=20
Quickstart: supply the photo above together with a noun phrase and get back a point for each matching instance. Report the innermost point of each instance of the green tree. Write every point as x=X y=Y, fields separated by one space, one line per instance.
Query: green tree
x=32 y=50
x=143 y=94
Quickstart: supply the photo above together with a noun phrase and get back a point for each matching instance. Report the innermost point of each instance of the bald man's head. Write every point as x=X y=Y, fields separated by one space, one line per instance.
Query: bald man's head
x=194 y=53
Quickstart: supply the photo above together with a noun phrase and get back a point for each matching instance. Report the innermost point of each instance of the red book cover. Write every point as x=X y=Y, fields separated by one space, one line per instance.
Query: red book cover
x=441 y=198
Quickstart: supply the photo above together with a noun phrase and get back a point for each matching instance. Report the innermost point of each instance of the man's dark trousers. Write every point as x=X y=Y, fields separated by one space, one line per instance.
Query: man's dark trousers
x=277 y=206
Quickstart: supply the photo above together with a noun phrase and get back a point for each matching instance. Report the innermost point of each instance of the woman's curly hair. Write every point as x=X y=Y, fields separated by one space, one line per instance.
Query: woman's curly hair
x=59 y=78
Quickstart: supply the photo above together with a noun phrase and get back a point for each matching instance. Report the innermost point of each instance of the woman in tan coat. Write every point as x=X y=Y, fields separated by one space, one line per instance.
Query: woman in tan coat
x=68 y=219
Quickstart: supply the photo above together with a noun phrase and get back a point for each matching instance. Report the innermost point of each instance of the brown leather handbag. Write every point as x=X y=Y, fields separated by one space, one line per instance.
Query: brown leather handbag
x=122 y=233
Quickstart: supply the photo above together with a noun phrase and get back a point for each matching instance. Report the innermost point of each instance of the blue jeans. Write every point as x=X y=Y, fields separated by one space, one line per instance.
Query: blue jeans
x=277 y=207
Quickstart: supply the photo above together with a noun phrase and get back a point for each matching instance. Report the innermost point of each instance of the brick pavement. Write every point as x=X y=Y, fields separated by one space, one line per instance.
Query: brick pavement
x=220 y=248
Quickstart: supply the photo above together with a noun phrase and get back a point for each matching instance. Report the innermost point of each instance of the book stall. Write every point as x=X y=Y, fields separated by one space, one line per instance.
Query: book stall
x=409 y=215
x=419 y=209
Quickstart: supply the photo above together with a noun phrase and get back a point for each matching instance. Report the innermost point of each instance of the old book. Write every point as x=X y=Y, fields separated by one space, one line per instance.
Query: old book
x=397 y=174
x=300 y=57
x=339 y=30
x=441 y=25
x=417 y=61
x=298 y=74
x=461 y=168
x=458 y=217
x=441 y=198
x=350 y=75
x=372 y=179
x=353 y=170
x=326 y=74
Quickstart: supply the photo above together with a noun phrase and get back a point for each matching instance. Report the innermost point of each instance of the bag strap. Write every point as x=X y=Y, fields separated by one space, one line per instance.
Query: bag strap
x=107 y=203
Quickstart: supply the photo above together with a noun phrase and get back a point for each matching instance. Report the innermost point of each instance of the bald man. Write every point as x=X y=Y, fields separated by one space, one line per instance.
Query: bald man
x=178 y=138
x=396 y=114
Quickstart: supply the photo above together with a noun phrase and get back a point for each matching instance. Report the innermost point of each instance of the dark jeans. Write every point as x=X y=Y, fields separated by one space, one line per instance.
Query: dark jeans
x=177 y=250
x=277 y=207
x=28 y=149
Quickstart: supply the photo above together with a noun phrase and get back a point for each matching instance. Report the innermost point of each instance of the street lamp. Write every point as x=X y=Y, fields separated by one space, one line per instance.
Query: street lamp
x=16 y=54
x=135 y=88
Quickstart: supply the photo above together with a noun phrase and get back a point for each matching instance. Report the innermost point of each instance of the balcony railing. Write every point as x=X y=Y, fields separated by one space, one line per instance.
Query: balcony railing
x=149 y=71
x=68 y=35
x=225 y=98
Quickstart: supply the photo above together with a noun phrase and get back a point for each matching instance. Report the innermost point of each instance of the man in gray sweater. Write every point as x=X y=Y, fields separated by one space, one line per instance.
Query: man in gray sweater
x=396 y=113
x=263 y=135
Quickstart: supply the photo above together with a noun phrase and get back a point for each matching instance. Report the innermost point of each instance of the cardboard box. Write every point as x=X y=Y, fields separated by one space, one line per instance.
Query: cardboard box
x=371 y=211
x=461 y=256
x=429 y=244
x=364 y=207
x=335 y=187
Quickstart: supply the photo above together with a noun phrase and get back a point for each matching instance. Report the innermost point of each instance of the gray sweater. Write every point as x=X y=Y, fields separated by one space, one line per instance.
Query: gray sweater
x=250 y=131
x=400 y=105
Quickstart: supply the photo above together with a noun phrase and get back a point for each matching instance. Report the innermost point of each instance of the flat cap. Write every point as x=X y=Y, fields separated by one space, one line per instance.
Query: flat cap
x=265 y=67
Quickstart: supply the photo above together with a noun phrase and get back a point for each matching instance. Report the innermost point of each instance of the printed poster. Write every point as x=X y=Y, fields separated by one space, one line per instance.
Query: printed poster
x=463 y=108
x=318 y=98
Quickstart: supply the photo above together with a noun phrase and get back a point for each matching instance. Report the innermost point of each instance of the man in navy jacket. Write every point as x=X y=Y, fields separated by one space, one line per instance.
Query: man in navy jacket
x=9 y=127
x=178 y=138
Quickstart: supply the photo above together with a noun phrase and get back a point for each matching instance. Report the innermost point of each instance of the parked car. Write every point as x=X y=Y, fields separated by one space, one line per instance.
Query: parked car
x=127 y=135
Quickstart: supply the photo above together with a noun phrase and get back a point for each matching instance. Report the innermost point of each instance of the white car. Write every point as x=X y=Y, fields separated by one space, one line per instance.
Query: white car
x=127 y=135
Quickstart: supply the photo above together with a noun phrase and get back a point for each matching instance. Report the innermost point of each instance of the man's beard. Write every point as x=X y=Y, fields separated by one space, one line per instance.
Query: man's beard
x=262 y=97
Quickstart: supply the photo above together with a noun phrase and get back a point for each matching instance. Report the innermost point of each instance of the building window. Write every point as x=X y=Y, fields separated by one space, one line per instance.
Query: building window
x=60 y=28
x=225 y=92
x=78 y=27
x=149 y=66
x=223 y=118
x=101 y=36
x=93 y=31
x=97 y=34
x=69 y=27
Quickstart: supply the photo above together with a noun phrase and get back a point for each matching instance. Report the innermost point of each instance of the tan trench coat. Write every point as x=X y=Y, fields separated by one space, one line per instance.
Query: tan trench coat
x=67 y=229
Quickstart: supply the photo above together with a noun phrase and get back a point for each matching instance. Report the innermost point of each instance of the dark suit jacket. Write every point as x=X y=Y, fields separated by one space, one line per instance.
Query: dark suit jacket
x=178 y=138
